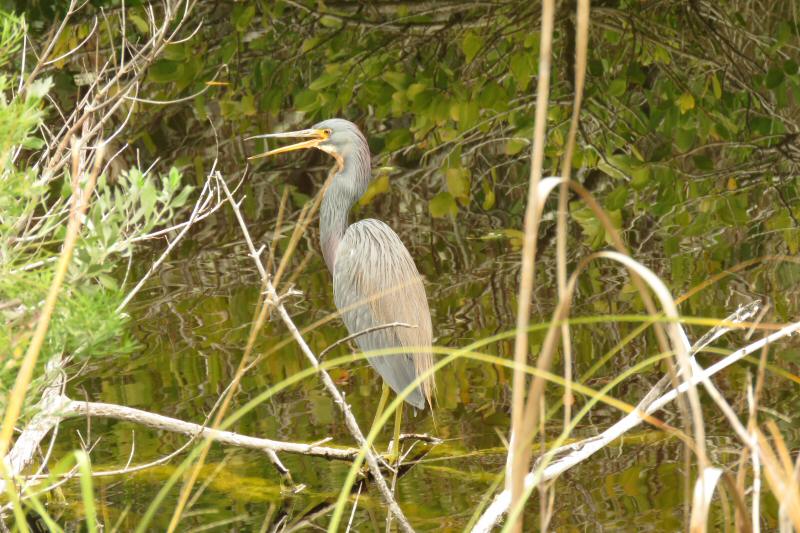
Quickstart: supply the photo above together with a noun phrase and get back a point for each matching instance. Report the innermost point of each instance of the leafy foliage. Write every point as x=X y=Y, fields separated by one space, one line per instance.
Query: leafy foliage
x=33 y=225
x=688 y=126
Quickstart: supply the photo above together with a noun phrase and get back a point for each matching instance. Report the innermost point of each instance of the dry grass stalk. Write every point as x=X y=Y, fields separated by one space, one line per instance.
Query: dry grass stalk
x=519 y=451
x=582 y=44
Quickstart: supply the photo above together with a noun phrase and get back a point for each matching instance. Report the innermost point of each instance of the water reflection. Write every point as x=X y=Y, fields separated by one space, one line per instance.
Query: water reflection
x=192 y=322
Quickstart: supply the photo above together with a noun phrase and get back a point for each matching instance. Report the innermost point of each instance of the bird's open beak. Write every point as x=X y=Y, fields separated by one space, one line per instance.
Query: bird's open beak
x=314 y=138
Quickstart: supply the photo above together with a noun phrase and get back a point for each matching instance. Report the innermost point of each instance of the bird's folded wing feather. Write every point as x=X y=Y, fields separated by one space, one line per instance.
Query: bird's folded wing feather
x=375 y=282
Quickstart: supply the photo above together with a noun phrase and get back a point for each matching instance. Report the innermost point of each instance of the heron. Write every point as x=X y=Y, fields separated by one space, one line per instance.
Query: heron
x=375 y=280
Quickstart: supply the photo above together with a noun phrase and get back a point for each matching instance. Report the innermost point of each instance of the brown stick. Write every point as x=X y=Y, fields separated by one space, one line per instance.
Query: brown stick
x=519 y=451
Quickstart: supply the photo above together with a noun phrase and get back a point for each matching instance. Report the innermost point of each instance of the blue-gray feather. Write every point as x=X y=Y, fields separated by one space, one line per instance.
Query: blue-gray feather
x=375 y=281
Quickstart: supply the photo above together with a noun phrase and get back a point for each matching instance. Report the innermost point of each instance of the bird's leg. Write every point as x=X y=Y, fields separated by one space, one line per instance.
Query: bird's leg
x=398 y=418
x=381 y=403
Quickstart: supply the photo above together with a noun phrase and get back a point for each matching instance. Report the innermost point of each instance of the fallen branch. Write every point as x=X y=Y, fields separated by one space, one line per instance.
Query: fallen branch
x=46 y=419
x=56 y=407
x=72 y=408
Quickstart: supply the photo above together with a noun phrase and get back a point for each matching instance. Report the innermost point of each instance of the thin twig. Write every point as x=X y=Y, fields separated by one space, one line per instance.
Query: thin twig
x=519 y=450
x=207 y=192
x=341 y=341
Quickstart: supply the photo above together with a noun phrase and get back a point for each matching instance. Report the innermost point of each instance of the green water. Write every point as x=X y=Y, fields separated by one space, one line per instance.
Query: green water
x=192 y=320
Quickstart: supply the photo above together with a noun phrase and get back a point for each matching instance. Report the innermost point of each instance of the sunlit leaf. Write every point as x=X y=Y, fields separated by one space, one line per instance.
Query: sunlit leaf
x=470 y=45
x=326 y=80
x=458 y=183
x=685 y=102
x=515 y=146
x=442 y=205
x=377 y=187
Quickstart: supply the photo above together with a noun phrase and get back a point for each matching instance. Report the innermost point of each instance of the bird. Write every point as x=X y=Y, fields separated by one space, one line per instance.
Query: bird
x=375 y=280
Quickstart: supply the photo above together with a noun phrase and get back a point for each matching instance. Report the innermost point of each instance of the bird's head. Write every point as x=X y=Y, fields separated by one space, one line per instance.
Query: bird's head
x=338 y=137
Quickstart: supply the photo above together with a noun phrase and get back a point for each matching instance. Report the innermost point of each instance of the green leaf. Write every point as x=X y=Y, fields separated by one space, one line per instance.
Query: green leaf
x=703 y=162
x=310 y=43
x=591 y=227
x=174 y=178
x=242 y=17
x=306 y=100
x=141 y=24
x=617 y=87
x=458 y=183
x=684 y=138
x=492 y=96
x=616 y=199
x=442 y=205
x=398 y=80
x=488 y=195
x=521 y=69
x=640 y=176
x=471 y=45
x=716 y=87
x=617 y=166
x=32 y=143
x=180 y=199
x=685 y=102
x=326 y=80
x=515 y=237
x=164 y=71
x=176 y=52
x=774 y=77
x=148 y=198
x=397 y=139
x=515 y=146
x=331 y=22
x=377 y=187
x=465 y=113
x=108 y=282
x=421 y=95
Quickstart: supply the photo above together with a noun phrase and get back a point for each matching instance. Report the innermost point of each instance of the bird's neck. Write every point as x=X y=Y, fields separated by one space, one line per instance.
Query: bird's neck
x=350 y=179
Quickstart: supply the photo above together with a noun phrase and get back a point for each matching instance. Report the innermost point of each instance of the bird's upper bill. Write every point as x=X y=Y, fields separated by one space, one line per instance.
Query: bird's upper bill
x=314 y=136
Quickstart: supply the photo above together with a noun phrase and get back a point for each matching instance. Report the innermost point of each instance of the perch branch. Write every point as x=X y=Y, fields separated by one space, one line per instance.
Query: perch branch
x=73 y=408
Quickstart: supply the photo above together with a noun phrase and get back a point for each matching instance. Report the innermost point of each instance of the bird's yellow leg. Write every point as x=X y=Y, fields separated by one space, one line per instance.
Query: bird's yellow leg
x=381 y=404
x=398 y=418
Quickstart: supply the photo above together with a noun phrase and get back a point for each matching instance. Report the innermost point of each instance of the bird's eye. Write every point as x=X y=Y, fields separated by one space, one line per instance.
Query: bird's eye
x=327 y=132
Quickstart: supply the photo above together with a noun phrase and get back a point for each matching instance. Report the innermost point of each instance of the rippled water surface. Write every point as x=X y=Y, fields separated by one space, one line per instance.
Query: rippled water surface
x=192 y=321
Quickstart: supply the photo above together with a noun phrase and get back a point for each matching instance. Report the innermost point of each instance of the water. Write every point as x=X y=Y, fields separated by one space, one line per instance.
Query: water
x=192 y=322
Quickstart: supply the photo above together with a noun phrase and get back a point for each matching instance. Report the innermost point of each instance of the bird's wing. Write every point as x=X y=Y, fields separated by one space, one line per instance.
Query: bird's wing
x=375 y=282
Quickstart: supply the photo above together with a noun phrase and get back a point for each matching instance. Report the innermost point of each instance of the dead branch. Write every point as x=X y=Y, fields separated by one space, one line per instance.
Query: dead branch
x=55 y=407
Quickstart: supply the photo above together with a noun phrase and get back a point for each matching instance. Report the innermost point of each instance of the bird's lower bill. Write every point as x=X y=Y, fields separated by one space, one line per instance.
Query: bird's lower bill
x=316 y=137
